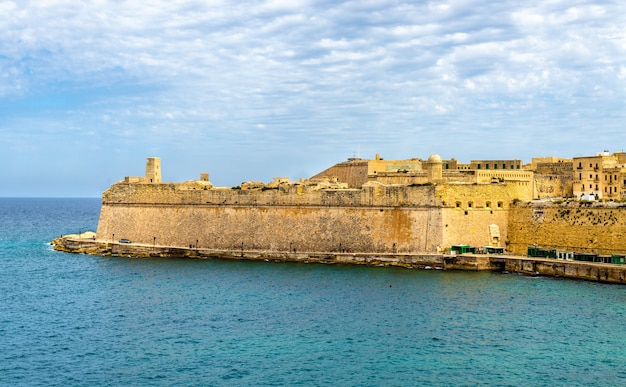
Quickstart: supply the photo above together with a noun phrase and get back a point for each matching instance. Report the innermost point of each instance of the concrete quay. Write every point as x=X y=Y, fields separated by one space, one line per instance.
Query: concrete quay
x=590 y=271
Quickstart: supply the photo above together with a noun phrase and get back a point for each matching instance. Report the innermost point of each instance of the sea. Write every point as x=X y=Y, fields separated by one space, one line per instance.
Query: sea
x=82 y=320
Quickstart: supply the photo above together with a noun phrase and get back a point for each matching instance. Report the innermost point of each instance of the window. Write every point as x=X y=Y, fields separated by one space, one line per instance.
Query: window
x=470 y=204
x=583 y=187
x=500 y=204
x=488 y=204
x=503 y=166
x=458 y=204
x=478 y=166
x=486 y=166
x=580 y=176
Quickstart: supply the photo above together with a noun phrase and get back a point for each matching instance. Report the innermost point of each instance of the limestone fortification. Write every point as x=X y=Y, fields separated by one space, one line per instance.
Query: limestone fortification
x=369 y=206
x=568 y=226
x=425 y=216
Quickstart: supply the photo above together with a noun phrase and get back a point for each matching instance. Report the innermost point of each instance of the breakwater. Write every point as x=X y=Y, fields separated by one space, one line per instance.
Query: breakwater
x=590 y=271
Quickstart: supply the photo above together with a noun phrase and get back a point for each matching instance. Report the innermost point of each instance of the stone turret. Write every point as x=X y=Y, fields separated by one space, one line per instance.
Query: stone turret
x=153 y=170
x=434 y=168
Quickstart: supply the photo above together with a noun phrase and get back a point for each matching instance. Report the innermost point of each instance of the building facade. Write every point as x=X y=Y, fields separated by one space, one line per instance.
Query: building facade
x=602 y=176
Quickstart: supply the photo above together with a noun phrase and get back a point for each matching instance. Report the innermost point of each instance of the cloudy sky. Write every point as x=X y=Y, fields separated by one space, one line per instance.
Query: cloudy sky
x=251 y=90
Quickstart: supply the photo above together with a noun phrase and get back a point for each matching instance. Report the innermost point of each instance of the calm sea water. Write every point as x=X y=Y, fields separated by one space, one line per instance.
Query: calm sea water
x=92 y=321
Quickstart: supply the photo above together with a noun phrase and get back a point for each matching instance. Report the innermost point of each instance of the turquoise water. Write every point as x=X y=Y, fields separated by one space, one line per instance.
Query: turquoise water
x=83 y=320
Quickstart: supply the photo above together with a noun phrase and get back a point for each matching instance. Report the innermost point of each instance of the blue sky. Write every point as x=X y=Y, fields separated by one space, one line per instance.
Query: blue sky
x=251 y=90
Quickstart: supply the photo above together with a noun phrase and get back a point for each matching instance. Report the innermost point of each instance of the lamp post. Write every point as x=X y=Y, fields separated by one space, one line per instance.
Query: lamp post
x=153 y=242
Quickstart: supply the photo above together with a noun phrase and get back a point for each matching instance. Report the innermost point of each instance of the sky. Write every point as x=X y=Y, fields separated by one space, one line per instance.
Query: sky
x=252 y=90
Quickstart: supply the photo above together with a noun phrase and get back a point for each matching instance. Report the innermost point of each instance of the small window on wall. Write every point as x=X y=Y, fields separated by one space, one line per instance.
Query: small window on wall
x=488 y=204
x=470 y=204
x=504 y=166
x=458 y=204
x=500 y=204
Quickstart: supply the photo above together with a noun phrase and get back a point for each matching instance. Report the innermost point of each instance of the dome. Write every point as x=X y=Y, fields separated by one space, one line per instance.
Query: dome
x=434 y=158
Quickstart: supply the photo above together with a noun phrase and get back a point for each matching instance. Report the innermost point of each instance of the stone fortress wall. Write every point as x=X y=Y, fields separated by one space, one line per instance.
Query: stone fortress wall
x=576 y=226
x=373 y=219
x=325 y=214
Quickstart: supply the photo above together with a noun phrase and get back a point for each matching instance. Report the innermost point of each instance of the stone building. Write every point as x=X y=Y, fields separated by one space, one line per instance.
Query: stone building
x=416 y=171
x=602 y=176
x=553 y=177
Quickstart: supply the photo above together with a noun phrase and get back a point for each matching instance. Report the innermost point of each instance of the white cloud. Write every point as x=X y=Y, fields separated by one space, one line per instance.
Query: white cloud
x=287 y=74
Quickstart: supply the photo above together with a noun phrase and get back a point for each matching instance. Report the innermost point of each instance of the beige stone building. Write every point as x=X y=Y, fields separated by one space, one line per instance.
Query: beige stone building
x=553 y=177
x=416 y=171
x=602 y=176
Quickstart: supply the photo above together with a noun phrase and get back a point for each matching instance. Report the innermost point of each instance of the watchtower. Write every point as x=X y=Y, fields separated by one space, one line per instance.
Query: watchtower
x=434 y=168
x=153 y=170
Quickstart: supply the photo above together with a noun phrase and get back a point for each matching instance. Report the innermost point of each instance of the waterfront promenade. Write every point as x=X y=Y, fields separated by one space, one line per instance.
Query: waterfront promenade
x=591 y=271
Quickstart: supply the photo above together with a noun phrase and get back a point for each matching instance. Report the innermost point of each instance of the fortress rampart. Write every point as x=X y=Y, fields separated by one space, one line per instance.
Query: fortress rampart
x=294 y=217
x=588 y=227
x=375 y=218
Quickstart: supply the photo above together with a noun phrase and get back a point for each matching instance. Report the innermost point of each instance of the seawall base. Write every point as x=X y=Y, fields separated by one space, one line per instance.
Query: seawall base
x=590 y=271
